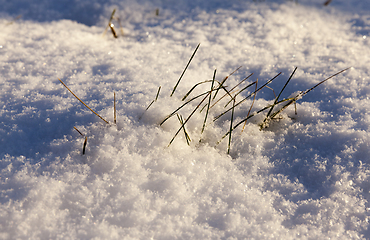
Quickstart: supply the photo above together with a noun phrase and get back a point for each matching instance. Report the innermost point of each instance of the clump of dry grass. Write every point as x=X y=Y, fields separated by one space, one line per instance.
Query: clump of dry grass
x=273 y=110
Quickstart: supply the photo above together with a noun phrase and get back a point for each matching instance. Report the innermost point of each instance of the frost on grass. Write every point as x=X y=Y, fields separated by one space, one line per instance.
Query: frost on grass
x=306 y=175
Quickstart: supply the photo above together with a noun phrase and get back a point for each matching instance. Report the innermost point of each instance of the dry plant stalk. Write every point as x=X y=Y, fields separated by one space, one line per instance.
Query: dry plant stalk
x=209 y=101
x=85 y=142
x=183 y=72
x=83 y=102
x=327 y=2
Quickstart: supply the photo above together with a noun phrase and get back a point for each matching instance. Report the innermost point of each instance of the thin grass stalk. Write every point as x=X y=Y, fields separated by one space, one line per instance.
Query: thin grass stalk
x=159 y=89
x=283 y=108
x=209 y=101
x=187 y=119
x=231 y=90
x=272 y=91
x=183 y=72
x=277 y=98
x=224 y=80
x=14 y=20
x=327 y=2
x=79 y=131
x=201 y=110
x=156 y=98
x=120 y=26
x=113 y=31
x=240 y=92
x=301 y=94
x=173 y=113
x=186 y=134
x=84 y=146
x=254 y=114
x=245 y=119
x=289 y=100
x=110 y=21
x=85 y=142
x=254 y=98
x=246 y=98
x=231 y=126
x=307 y=91
x=196 y=85
x=83 y=102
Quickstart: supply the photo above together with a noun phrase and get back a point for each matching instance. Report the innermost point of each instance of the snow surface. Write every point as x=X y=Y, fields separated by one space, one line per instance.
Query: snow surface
x=306 y=176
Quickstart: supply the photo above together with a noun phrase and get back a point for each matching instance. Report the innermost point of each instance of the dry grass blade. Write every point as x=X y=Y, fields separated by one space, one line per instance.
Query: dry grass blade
x=156 y=98
x=191 y=89
x=231 y=126
x=110 y=22
x=254 y=99
x=183 y=72
x=188 y=140
x=242 y=121
x=228 y=93
x=240 y=92
x=14 y=20
x=111 y=25
x=307 y=91
x=209 y=101
x=183 y=105
x=159 y=89
x=246 y=98
x=298 y=96
x=79 y=131
x=120 y=26
x=189 y=117
x=224 y=80
x=277 y=98
x=85 y=142
x=327 y=2
x=83 y=102
x=84 y=146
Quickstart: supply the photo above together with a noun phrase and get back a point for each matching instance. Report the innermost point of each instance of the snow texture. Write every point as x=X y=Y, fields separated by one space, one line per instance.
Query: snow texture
x=304 y=176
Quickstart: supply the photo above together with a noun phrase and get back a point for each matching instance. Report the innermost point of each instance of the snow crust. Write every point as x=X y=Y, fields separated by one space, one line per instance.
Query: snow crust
x=306 y=176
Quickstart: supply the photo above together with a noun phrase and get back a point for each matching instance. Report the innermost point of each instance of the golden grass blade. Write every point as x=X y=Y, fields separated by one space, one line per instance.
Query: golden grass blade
x=231 y=90
x=156 y=97
x=224 y=80
x=83 y=102
x=120 y=26
x=183 y=72
x=188 y=140
x=246 y=98
x=277 y=98
x=110 y=21
x=209 y=101
x=79 y=131
x=189 y=117
x=231 y=126
x=111 y=25
x=240 y=92
x=173 y=113
x=307 y=91
x=254 y=99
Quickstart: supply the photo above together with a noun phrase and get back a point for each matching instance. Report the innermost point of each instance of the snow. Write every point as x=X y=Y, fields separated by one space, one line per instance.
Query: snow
x=304 y=176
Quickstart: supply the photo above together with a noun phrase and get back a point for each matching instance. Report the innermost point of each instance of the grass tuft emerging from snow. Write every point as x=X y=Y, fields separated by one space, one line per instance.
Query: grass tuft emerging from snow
x=305 y=176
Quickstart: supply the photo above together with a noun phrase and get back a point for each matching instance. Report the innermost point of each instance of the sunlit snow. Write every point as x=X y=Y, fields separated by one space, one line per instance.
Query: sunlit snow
x=304 y=176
